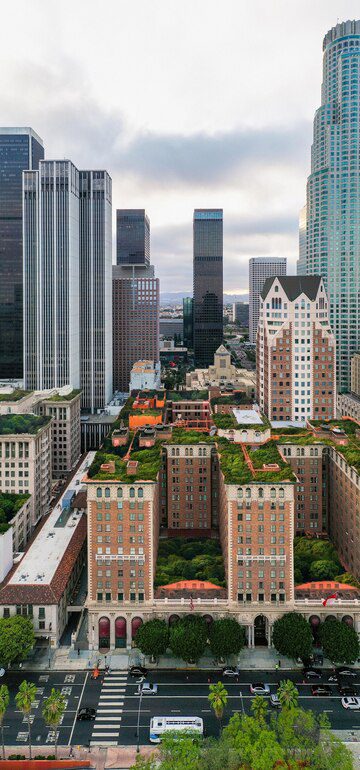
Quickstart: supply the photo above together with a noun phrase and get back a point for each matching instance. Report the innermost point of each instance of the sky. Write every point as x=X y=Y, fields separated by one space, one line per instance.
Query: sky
x=187 y=104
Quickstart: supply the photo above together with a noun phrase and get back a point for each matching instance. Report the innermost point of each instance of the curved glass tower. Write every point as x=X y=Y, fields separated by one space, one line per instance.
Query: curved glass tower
x=331 y=246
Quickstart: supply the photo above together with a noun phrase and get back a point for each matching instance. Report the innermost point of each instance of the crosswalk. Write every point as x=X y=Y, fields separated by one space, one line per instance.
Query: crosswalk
x=109 y=711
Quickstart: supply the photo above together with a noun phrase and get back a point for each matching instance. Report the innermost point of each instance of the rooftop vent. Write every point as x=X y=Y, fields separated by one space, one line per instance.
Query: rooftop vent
x=132 y=467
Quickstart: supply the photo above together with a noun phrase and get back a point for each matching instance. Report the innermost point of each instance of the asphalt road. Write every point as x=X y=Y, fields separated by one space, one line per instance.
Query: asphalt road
x=116 y=702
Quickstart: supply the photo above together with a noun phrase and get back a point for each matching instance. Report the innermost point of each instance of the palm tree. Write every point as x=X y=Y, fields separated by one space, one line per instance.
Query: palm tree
x=218 y=698
x=288 y=694
x=24 y=700
x=4 y=702
x=259 y=708
x=53 y=709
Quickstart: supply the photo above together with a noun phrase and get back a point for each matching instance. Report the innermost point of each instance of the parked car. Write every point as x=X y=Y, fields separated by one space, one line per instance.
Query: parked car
x=346 y=672
x=138 y=671
x=2 y=672
x=351 y=703
x=230 y=671
x=86 y=713
x=346 y=689
x=321 y=689
x=147 y=688
x=274 y=701
x=311 y=673
x=259 y=689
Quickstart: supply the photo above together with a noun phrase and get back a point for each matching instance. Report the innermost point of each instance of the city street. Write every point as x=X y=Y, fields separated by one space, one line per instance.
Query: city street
x=116 y=704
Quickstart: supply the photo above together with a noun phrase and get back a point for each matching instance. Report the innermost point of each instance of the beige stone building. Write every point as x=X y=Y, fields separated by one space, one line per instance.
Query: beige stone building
x=222 y=374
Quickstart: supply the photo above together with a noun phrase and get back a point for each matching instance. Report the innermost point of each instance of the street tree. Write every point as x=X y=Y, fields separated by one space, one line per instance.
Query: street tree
x=24 y=700
x=218 y=698
x=17 y=638
x=227 y=637
x=259 y=709
x=152 y=637
x=188 y=638
x=340 y=642
x=292 y=636
x=4 y=702
x=288 y=694
x=53 y=711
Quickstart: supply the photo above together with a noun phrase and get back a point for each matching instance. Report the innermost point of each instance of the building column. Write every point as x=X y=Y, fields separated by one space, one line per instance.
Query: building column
x=128 y=633
x=269 y=637
x=112 y=631
x=251 y=642
x=94 y=632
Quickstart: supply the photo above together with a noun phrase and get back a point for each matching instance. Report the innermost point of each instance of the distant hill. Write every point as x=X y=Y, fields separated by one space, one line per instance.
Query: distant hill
x=176 y=297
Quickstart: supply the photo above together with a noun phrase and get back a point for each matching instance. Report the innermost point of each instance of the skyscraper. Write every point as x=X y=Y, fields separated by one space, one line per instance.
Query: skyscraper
x=20 y=149
x=188 y=322
x=95 y=289
x=67 y=280
x=207 y=284
x=136 y=309
x=295 y=350
x=333 y=191
x=132 y=237
x=261 y=268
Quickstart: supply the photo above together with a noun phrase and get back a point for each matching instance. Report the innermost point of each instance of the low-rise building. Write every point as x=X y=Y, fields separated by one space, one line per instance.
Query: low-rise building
x=15 y=515
x=222 y=374
x=348 y=405
x=145 y=375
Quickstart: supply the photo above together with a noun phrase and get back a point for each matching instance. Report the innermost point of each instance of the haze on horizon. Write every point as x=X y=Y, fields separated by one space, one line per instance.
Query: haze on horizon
x=186 y=106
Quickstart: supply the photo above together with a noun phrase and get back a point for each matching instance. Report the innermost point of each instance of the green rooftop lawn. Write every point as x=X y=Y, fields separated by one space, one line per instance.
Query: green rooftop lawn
x=16 y=395
x=22 y=423
x=232 y=463
x=9 y=506
x=148 y=468
x=75 y=392
x=348 y=426
x=187 y=395
x=266 y=454
x=182 y=436
x=236 y=470
x=239 y=397
x=225 y=421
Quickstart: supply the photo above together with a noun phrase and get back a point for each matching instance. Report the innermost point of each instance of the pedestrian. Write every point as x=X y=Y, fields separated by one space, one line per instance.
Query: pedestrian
x=279 y=663
x=78 y=652
x=276 y=666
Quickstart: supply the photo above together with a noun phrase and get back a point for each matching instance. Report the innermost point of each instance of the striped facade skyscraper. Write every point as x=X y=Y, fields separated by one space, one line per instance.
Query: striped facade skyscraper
x=332 y=240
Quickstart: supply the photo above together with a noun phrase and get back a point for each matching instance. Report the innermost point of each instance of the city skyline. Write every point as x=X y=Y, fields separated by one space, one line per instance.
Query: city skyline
x=250 y=154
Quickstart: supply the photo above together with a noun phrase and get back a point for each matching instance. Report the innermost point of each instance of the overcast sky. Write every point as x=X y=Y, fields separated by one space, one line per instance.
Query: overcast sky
x=187 y=104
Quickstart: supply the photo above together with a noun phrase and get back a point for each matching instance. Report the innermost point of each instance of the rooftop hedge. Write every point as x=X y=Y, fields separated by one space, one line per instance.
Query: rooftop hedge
x=22 y=423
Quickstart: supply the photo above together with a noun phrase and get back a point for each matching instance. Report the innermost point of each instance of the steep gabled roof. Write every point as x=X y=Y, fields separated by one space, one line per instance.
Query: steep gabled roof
x=294 y=285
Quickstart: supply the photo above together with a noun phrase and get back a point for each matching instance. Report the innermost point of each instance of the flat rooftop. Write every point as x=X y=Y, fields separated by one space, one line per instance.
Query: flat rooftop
x=41 y=561
x=248 y=417
x=281 y=424
x=22 y=423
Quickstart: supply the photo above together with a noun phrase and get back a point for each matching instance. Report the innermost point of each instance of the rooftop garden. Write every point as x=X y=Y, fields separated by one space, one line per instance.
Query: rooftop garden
x=22 y=423
x=187 y=395
x=9 y=506
x=225 y=421
x=237 y=398
x=236 y=470
x=267 y=454
x=15 y=395
x=149 y=463
x=348 y=426
x=69 y=396
x=182 y=436
x=232 y=463
x=189 y=559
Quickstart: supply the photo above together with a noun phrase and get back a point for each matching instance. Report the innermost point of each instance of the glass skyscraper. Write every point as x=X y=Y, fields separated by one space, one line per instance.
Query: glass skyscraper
x=188 y=322
x=208 y=284
x=20 y=149
x=132 y=237
x=332 y=243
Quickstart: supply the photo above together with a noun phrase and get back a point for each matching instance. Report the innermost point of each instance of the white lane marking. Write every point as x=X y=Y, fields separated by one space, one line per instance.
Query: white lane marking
x=105 y=735
x=80 y=699
x=108 y=711
x=107 y=719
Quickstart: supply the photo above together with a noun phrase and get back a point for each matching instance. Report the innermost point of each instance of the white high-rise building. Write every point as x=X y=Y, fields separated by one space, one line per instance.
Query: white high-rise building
x=296 y=361
x=333 y=191
x=261 y=268
x=67 y=280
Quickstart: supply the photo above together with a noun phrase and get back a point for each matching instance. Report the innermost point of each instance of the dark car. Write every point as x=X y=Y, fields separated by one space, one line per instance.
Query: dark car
x=346 y=689
x=321 y=689
x=311 y=673
x=86 y=714
x=138 y=671
x=345 y=671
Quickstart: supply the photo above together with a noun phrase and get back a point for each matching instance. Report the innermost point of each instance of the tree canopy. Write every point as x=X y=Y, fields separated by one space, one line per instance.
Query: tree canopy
x=340 y=642
x=292 y=636
x=17 y=638
x=227 y=637
x=152 y=637
x=188 y=637
x=315 y=560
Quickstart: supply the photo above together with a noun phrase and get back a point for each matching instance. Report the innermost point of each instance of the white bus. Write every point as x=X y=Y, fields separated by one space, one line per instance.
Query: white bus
x=161 y=725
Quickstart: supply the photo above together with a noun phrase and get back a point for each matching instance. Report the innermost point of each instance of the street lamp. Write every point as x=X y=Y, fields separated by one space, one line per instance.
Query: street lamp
x=242 y=702
x=138 y=719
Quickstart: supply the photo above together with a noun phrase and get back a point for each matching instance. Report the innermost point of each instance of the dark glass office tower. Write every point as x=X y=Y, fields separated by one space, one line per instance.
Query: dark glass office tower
x=208 y=284
x=132 y=237
x=188 y=322
x=20 y=149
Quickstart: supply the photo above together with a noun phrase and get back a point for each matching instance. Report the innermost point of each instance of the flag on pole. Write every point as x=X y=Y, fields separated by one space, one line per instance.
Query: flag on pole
x=191 y=603
x=328 y=599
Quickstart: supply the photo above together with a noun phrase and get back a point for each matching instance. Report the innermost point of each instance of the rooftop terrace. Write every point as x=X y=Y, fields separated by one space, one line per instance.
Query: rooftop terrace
x=236 y=469
x=22 y=423
x=13 y=395
x=68 y=397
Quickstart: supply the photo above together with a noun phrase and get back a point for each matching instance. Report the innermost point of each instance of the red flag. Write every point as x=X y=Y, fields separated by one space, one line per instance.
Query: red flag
x=332 y=596
x=191 y=603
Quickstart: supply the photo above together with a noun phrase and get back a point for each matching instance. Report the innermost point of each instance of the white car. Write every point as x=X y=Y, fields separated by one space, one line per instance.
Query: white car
x=259 y=689
x=147 y=688
x=2 y=672
x=351 y=703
